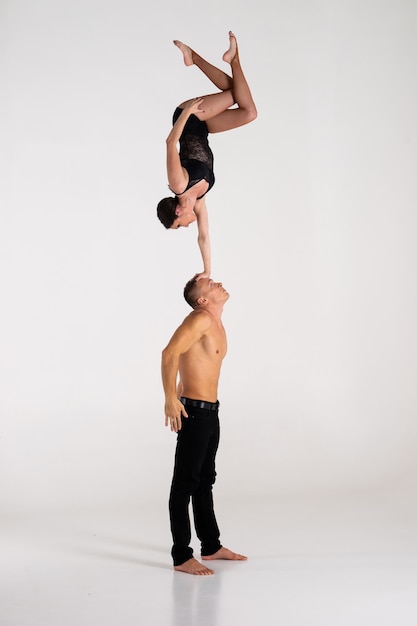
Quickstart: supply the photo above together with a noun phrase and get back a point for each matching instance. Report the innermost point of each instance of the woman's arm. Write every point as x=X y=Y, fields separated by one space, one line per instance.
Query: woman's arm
x=177 y=179
x=200 y=210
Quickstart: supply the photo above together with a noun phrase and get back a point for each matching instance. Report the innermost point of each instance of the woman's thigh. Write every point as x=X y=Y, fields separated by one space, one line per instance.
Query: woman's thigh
x=213 y=105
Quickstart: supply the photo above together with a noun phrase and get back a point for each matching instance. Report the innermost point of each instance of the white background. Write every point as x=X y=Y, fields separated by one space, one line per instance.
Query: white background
x=313 y=225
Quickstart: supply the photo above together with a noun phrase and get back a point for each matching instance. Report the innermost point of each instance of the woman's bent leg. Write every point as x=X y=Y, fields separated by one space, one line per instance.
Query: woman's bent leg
x=246 y=110
x=219 y=78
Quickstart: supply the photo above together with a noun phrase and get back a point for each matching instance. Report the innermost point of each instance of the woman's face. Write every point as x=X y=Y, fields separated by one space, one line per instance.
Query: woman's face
x=185 y=217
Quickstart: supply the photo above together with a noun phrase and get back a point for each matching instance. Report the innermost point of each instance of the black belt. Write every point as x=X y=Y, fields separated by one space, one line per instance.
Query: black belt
x=200 y=404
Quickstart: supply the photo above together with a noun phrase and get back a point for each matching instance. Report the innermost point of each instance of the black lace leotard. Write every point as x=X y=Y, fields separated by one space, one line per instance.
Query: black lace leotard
x=195 y=153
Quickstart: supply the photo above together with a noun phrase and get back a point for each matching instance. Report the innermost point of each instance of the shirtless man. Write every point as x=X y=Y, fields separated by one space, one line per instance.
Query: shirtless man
x=195 y=352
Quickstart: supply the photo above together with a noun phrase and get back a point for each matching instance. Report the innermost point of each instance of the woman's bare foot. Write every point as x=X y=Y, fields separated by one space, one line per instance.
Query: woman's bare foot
x=225 y=554
x=230 y=54
x=187 y=52
x=192 y=566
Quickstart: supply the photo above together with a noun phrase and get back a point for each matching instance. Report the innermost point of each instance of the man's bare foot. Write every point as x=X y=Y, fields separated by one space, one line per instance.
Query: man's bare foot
x=225 y=554
x=192 y=566
x=187 y=52
x=230 y=54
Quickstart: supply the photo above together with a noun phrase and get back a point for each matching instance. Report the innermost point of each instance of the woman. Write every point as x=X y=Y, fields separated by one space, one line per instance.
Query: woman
x=190 y=170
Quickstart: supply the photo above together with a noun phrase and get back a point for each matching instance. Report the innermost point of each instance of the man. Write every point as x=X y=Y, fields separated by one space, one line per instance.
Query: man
x=195 y=352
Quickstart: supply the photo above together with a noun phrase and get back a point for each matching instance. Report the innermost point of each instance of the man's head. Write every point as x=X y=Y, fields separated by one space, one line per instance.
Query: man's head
x=172 y=215
x=201 y=292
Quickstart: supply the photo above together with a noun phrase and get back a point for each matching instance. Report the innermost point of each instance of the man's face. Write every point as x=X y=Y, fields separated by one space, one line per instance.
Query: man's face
x=212 y=291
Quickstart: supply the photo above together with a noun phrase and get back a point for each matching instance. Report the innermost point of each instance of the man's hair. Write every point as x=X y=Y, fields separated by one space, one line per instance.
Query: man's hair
x=191 y=292
x=166 y=211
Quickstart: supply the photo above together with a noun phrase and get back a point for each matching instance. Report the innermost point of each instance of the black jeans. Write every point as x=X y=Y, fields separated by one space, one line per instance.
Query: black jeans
x=194 y=476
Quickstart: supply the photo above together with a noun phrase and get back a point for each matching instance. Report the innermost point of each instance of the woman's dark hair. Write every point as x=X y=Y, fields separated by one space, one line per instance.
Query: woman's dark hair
x=166 y=211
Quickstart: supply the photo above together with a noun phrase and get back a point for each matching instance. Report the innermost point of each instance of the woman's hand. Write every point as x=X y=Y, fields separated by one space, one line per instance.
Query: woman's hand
x=193 y=106
x=202 y=275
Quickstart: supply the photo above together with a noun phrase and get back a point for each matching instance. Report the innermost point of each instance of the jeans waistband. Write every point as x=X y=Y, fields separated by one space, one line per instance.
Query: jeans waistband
x=200 y=404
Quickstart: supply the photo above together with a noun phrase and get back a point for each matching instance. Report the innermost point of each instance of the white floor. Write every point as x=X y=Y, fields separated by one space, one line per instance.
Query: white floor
x=325 y=561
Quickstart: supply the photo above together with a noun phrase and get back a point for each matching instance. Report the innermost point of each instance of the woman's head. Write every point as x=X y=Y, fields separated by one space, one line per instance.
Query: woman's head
x=172 y=215
x=166 y=211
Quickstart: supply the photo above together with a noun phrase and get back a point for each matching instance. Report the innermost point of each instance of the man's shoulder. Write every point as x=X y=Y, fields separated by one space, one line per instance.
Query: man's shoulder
x=199 y=318
x=200 y=315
